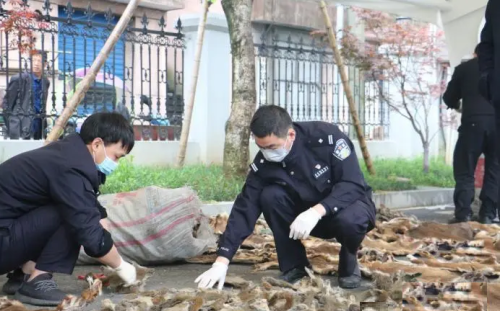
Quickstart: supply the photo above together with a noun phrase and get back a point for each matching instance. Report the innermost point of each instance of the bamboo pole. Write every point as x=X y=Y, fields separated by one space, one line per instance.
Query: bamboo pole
x=347 y=88
x=89 y=78
x=186 y=124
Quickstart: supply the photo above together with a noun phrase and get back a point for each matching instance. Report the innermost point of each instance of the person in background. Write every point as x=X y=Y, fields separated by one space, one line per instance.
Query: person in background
x=49 y=209
x=488 y=56
x=307 y=181
x=476 y=136
x=25 y=101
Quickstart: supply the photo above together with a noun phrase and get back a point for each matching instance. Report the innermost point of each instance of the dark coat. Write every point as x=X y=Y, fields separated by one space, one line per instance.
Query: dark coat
x=463 y=86
x=61 y=174
x=322 y=167
x=19 y=108
x=489 y=53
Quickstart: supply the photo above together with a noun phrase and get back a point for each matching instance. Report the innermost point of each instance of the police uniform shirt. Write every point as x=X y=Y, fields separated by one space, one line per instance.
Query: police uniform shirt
x=321 y=167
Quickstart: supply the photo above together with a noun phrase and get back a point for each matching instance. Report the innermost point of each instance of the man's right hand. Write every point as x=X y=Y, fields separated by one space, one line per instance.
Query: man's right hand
x=216 y=274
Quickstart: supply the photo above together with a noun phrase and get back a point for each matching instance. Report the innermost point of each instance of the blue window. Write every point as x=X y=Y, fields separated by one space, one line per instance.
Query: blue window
x=79 y=45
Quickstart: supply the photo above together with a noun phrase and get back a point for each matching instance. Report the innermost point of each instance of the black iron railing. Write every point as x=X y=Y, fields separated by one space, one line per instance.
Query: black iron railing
x=301 y=76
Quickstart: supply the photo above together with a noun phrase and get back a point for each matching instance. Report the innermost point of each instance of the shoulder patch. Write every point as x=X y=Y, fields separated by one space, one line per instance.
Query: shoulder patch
x=342 y=149
x=254 y=167
x=257 y=163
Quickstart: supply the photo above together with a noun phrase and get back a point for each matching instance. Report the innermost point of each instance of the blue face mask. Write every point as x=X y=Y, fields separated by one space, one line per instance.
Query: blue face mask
x=107 y=166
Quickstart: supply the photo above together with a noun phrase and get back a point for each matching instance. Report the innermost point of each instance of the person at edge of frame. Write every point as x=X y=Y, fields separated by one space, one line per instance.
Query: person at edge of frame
x=25 y=101
x=49 y=209
x=476 y=136
x=307 y=181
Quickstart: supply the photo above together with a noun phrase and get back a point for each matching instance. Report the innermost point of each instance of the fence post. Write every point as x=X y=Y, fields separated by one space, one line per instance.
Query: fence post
x=212 y=101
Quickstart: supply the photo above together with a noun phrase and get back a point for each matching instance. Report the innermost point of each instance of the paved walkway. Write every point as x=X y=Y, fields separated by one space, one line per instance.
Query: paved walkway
x=183 y=275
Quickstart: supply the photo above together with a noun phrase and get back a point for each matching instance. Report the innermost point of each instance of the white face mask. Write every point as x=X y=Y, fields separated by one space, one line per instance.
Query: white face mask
x=276 y=155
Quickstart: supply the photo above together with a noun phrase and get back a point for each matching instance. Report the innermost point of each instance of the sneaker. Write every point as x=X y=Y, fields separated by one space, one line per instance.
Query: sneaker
x=41 y=291
x=486 y=220
x=15 y=279
x=294 y=275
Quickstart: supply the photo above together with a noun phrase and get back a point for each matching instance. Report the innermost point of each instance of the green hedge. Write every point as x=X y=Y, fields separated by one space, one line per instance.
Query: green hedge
x=212 y=185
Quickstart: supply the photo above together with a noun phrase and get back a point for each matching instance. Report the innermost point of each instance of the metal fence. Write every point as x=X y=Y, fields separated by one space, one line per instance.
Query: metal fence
x=142 y=77
x=301 y=75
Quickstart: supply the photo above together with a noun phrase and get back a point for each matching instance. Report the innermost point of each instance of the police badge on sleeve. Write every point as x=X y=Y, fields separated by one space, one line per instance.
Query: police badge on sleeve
x=342 y=149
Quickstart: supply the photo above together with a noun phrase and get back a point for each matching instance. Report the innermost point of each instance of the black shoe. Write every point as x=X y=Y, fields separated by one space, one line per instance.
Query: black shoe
x=352 y=281
x=459 y=220
x=15 y=279
x=41 y=291
x=486 y=220
x=294 y=275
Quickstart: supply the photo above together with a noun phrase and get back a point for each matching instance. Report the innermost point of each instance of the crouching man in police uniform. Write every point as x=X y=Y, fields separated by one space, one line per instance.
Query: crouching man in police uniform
x=306 y=180
x=49 y=209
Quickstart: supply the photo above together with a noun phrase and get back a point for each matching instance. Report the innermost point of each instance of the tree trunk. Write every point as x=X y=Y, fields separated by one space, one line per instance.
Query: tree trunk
x=186 y=123
x=89 y=78
x=244 y=97
x=427 y=163
x=347 y=88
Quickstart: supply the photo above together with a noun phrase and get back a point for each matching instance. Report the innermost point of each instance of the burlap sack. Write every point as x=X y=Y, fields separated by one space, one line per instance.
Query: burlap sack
x=156 y=226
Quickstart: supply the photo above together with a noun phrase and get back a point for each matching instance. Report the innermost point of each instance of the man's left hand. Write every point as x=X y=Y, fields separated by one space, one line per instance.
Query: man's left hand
x=304 y=223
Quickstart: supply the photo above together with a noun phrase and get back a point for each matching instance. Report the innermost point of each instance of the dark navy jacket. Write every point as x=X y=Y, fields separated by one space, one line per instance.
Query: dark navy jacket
x=321 y=167
x=463 y=86
x=489 y=53
x=62 y=174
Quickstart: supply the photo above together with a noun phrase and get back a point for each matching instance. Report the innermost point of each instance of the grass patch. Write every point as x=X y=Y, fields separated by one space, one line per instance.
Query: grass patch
x=389 y=170
x=211 y=185
x=208 y=181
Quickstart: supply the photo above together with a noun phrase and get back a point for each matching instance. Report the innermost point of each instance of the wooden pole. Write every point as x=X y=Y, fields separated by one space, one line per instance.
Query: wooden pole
x=186 y=123
x=347 y=88
x=89 y=78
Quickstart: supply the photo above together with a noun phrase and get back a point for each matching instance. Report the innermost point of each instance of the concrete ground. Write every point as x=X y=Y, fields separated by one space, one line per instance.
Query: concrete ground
x=183 y=275
x=172 y=276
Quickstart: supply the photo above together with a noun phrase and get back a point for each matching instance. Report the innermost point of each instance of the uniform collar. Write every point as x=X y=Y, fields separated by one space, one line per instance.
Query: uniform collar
x=296 y=147
x=81 y=158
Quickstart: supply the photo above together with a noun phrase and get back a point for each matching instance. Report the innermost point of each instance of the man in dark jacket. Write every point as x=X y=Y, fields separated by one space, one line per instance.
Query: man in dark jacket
x=476 y=136
x=489 y=55
x=49 y=209
x=306 y=180
x=25 y=101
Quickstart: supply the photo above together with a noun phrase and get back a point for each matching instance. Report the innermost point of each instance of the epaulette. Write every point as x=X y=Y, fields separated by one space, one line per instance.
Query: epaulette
x=322 y=141
x=258 y=163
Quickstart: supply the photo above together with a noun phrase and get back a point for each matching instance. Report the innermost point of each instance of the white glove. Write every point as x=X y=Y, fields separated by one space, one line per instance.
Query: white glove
x=127 y=273
x=304 y=223
x=215 y=274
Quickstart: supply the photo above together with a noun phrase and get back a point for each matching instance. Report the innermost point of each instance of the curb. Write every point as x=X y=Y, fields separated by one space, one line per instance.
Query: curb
x=392 y=200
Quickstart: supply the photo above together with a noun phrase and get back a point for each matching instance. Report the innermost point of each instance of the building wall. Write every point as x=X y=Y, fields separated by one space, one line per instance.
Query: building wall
x=149 y=153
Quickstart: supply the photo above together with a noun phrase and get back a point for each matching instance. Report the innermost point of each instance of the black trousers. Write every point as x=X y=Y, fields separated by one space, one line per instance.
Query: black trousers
x=474 y=139
x=39 y=236
x=348 y=227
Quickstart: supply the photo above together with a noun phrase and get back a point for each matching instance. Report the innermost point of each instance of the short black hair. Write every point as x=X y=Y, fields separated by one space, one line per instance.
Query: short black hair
x=269 y=120
x=111 y=127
